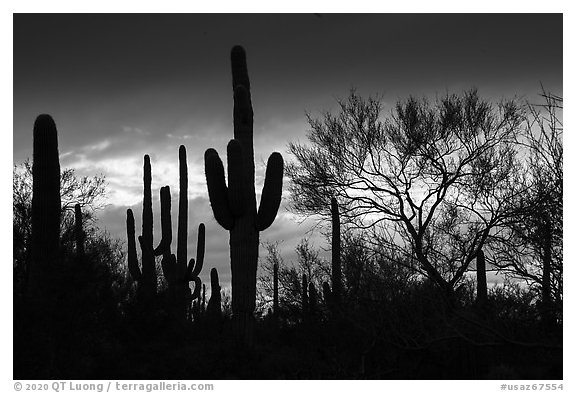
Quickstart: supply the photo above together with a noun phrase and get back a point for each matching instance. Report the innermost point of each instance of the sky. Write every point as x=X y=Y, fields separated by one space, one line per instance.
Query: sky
x=121 y=86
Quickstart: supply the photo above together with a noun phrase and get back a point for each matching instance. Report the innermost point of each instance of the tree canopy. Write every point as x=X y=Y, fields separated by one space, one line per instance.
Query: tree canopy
x=435 y=182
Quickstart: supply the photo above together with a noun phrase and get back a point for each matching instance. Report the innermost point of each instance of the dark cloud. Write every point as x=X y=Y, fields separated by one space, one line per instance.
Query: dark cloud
x=170 y=73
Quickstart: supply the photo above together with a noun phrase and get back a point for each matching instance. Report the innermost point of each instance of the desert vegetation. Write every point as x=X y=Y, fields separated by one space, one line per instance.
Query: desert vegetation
x=418 y=206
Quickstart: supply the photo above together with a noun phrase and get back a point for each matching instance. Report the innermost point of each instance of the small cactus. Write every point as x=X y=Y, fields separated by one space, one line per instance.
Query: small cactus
x=275 y=300
x=328 y=297
x=312 y=300
x=79 y=234
x=203 y=308
x=546 y=305
x=305 y=303
x=234 y=204
x=196 y=310
x=336 y=268
x=214 y=309
x=481 y=285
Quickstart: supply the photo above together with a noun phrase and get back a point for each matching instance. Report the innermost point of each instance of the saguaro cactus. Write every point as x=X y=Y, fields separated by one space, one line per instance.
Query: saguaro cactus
x=177 y=270
x=234 y=204
x=179 y=275
x=305 y=304
x=275 y=300
x=312 y=299
x=481 y=285
x=546 y=305
x=327 y=294
x=336 y=269
x=203 y=308
x=45 y=201
x=145 y=277
x=214 y=310
x=79 y=234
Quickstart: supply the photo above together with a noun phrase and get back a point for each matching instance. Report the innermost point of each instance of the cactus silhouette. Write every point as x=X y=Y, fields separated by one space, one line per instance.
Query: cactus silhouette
x=79 y=234
x=203 y=308
x=312 y=300
x=196 y=310
x=234 y=204
x=45 y=202
x=275 y=299
x=305 y=304
x=214 y=309
x=481 y=285
x=332 y=296
x=145 y=277
x=178 y=272
x=178 y=275
x=309 y=298
x=336 y=269
x=327 y=292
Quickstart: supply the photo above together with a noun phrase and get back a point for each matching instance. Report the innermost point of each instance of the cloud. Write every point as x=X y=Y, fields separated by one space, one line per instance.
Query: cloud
x=97 y=147
x=135 y=130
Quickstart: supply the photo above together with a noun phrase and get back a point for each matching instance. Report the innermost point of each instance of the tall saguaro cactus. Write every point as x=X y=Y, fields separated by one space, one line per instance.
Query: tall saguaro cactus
x=275 y=303
x=177 y=270
x=481 y=284
x=546 y=304
x=45 y=201
x=336 y=269
x=312 y=299
x=146 y=277
x=79 y=234
x=234 y=204
x=305 y=303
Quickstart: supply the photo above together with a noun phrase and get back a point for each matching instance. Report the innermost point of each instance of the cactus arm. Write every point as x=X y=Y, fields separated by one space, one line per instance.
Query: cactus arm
x=217 y=190
x=271 y=193
x=188 y=274
x=166 y=222
x=132 y=257
x=235 y=178
x=200 y=247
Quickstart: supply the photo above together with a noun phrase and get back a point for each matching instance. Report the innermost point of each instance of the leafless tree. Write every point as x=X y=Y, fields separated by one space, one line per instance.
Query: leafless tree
x=433 y=181
x=531 y=248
